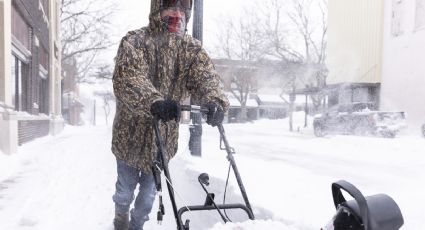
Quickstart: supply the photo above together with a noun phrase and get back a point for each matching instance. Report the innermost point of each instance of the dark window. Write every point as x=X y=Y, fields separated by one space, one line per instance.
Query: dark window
x=19 y=79
x=43 y=58
x=20 y=29
x=360 y=95
x=44 y=96
x=333 y=98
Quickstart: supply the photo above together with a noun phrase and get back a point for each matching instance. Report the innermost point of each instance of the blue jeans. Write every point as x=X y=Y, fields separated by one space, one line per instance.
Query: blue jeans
x=128 y=178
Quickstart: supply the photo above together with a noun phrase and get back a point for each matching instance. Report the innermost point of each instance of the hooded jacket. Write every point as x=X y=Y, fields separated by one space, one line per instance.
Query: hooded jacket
x=153 y=64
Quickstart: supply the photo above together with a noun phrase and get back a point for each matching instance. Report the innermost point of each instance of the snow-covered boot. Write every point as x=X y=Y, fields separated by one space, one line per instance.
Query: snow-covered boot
x=137 y=222
x=121 y=221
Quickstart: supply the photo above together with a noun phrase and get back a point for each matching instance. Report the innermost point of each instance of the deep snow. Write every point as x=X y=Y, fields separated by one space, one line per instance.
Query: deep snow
x=66 y=181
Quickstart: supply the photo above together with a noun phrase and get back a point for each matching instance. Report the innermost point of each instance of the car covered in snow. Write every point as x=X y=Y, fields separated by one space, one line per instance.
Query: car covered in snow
x=359 y=120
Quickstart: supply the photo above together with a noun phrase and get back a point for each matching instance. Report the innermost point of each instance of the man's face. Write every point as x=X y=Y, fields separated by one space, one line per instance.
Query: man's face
x=175 y=19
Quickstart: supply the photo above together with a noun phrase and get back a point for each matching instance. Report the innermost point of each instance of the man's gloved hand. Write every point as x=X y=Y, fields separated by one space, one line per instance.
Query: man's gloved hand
x=166 y=110
x=215 y=114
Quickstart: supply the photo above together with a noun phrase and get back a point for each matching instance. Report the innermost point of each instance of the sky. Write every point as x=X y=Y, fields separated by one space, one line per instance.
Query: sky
x=134 y=14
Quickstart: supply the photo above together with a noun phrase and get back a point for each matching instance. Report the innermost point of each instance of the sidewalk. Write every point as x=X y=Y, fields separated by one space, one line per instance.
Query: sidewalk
x=61 y=182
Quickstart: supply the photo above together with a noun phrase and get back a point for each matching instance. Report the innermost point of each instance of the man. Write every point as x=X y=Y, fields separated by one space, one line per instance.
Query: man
x=156 y=67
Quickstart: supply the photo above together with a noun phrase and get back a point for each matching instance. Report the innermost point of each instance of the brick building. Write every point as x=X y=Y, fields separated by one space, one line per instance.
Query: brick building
x=30 y=79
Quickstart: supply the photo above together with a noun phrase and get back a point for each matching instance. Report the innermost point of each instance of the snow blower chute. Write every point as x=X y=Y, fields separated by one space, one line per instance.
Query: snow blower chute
x=377 y=212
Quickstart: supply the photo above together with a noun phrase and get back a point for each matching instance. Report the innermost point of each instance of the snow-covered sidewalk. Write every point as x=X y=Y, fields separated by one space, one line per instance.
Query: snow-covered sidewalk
x=66 y=182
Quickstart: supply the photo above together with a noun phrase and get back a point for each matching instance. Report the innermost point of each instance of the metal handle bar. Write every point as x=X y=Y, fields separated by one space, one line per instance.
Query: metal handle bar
x=219 y=206
x=194 y=108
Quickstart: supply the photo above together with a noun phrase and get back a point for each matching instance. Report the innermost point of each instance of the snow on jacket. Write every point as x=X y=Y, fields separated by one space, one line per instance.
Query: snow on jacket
x=154 y=65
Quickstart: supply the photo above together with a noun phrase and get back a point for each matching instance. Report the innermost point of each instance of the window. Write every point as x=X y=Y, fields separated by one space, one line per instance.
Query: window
x=420 y=15
x=20 y=29
x=397 y=18
x=44 y=96
x=360 y=94
x=333 y=98
x=19 y=79
x=43 y=58
x=20 y=58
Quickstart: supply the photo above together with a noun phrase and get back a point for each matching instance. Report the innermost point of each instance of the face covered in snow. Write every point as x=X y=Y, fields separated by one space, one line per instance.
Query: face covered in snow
x=174 y=19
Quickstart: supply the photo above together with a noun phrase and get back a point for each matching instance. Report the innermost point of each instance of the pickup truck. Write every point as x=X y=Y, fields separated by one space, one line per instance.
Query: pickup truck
x=364 y=122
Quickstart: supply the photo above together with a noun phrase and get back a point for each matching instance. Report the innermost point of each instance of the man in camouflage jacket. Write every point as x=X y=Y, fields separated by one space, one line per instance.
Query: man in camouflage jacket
x=156 y=67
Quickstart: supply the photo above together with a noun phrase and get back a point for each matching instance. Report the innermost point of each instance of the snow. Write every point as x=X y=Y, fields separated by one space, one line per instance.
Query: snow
x=271 y=98
x=253 y=225
x=94 y=104
x=234 y=102
x=67 y=181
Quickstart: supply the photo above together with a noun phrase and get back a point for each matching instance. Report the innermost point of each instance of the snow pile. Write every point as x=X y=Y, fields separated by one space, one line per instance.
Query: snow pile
x=254 y=225
x=66 y=182
x=4 y=163
x=9 y=164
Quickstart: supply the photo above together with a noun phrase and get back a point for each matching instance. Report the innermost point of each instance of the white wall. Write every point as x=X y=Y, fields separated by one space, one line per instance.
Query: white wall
x=403 y=80
x=354 y=41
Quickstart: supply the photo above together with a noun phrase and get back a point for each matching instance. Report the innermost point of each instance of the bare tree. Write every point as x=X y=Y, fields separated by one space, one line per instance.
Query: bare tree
x=296 y=31
x=241 y=40
x=85 y=32
x=243 y=84
x=103 y=72
x=304 y=14
x=278 y=33
x=107 y=97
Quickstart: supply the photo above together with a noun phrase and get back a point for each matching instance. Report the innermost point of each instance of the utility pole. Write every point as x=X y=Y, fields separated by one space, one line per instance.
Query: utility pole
x=94 y=112
x=195 y=129
x=198 y=19
x=292 y=97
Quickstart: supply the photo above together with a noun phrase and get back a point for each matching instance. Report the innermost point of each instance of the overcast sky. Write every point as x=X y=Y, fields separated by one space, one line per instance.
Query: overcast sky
x=134 y=14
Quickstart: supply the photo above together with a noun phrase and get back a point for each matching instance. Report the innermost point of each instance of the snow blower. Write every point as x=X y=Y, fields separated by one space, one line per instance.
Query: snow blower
x=377 y=212
x=161 y=165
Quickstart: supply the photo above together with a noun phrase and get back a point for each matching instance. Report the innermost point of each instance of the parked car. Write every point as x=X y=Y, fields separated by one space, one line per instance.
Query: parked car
x=423 y=130
x=364 y=122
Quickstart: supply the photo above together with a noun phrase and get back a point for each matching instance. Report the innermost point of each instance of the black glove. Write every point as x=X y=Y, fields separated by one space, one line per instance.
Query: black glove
x=215 y=114
x=166 y=110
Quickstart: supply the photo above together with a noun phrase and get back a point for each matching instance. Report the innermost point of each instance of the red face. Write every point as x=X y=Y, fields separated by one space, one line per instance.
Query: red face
x=175 y=20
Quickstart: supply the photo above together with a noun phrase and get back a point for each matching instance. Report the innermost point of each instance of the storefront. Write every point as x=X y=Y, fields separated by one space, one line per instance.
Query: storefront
x=29 y=71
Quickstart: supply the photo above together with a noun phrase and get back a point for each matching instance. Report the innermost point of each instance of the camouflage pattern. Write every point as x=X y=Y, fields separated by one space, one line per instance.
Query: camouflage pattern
x=155 y=65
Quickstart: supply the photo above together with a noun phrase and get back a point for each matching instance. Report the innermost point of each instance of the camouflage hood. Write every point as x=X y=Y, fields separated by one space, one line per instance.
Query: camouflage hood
x=155 y=65
x=155 y=17
x=155 y=22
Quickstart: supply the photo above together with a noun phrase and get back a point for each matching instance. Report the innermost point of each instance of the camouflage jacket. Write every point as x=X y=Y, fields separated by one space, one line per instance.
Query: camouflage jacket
x=154 y=65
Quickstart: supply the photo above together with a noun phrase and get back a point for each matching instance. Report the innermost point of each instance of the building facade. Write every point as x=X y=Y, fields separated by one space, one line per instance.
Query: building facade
x=30 y=79
x=403 y=74
x=354 y=54
x=374 y=54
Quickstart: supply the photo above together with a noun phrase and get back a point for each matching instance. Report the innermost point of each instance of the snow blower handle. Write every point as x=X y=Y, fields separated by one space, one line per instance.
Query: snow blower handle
x=194 y=108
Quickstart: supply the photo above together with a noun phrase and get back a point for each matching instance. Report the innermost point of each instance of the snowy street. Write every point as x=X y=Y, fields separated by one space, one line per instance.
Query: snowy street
x=67 y=181
x=319 y=99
